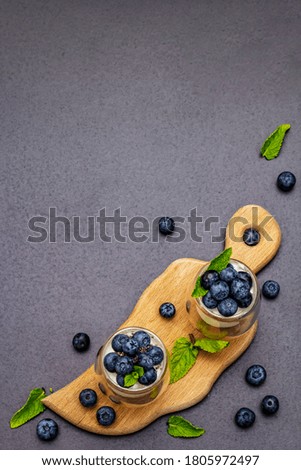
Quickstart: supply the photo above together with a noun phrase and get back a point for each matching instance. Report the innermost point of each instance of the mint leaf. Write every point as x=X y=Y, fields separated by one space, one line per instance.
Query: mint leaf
x=272 y=145
x=183 y=358
x=139 y=370
x=217 y=264
x=207 y=331
x=221 y=261
x=198 y=290
x=180 y=427
x=32 y=408
x=131 y=379
x=210 y=345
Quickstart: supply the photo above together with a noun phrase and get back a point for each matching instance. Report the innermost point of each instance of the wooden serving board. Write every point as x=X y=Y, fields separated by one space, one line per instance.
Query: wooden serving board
x=174 y=285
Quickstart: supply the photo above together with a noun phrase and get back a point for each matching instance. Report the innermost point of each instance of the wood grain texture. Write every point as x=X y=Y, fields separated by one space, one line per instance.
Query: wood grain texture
x=173 y=285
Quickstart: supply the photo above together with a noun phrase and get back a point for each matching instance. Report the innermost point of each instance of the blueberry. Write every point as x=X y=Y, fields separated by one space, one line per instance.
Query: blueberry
x=270 y=405
x=167 y=310
x=286 y=181
x=81 y=342
x=166 y=225
x=110 y=360
x=227 y=307
x=244 y=276
x=228 y=274
x=251 y=237
x=208 y=278
x=209 y=301
x=256 y=375
x=130 y=347
x=219 y=290
x=142 y=338
x=118 y=341
x=156 y=354
x=148 y=377
x=124 y=365
x=239 y=289
x=245 y=418
x=145 y=361
x=47 y=429
x=88 y=397
x=244 y=303
x=120 y=380
x=270 y=289
x=105 y=415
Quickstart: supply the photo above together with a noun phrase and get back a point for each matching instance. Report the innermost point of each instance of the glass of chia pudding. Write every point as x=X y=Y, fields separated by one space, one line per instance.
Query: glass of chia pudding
x=132 y=366
x=232 y=302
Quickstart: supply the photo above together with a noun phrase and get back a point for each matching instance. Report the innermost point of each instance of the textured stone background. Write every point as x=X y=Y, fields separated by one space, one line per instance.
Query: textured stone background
x=155 y=107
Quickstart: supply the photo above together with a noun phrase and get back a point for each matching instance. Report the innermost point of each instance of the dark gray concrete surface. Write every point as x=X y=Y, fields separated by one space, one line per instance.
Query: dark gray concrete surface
x=155 y=107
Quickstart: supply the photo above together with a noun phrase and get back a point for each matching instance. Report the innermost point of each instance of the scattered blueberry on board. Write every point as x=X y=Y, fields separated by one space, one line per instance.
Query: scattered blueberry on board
x=270 y=289
x=47 y=429
x=166 y=225
x=106 y=415
x=256 y=375
x=245 y=418
x=81 y=342
x=270 y=404
x=286 y=181
x=167 y=310
x=251 y=237
x=88 y=397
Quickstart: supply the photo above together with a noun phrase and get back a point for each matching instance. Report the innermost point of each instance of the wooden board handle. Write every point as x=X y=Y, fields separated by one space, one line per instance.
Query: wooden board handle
x=256 y=257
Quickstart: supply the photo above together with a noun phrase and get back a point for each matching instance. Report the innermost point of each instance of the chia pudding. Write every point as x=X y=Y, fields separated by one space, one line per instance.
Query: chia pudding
x=133 y=365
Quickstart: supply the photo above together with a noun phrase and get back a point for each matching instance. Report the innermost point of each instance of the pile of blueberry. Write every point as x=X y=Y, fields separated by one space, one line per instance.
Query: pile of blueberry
x=130 y=351
x=227 y=290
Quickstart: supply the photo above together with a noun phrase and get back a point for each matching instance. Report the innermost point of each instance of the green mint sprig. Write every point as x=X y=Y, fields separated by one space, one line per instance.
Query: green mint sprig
x=218 y=263
x=131 y=379
x=272 y=145
x=32 y=408
x=180 y=427
x=185 y=352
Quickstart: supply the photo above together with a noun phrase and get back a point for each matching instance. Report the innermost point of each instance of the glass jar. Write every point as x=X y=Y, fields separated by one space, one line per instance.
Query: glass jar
x=214 y=325
x=138 y=394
